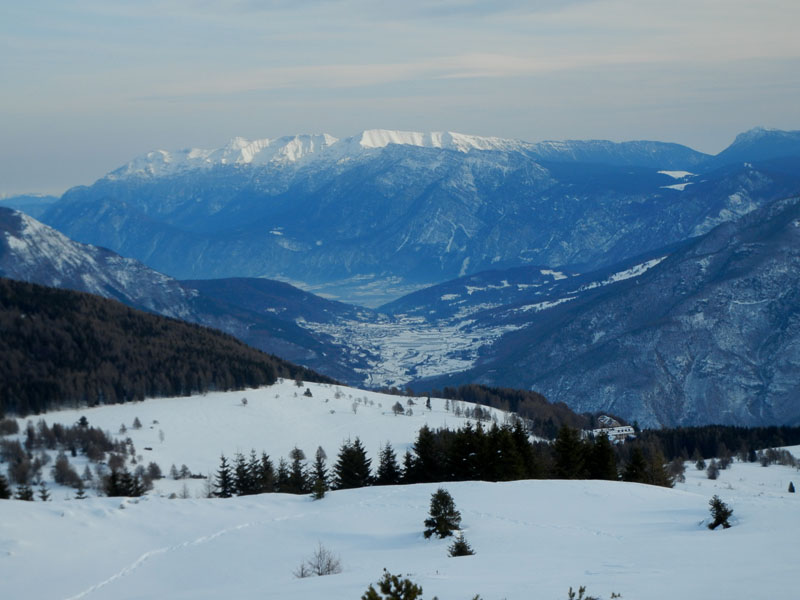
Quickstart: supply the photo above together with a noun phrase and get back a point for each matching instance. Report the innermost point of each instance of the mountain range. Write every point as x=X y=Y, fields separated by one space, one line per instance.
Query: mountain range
x=371 y=217
x=36 y=253
x=691 y=318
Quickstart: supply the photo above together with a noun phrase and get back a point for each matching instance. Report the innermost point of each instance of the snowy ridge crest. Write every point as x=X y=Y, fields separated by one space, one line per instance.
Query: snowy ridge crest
x=293 y=149
x=239 y=151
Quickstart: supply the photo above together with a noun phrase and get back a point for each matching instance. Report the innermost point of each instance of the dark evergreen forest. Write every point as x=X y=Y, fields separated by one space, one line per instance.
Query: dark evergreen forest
x=69 y=349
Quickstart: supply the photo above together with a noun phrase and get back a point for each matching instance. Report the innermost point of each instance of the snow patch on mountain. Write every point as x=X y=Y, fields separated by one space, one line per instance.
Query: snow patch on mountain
x=676 y=186
x=557 y=275
x=540 y=306
x=677 y=174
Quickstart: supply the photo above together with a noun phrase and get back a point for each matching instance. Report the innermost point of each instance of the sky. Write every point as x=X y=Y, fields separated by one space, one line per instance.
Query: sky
x=89 y=84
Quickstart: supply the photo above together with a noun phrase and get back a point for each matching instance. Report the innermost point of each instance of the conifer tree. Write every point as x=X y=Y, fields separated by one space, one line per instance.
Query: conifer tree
x=791 y=488
x=282 y=477
x=428 y=464
x=520 y=435
x=298 y=479
x=80 y=493
x=443 y=517
x=265 y=480
x=225 y=486
x=319 y=475
x=5 y=490
x=569 y=454
x=352 y=468
x=243 y=480
x=44 y=495
x=24 y=492
x=601 y=460
x=408 y=468
x=391 y=587
x=388 y=469
x=720 y=512
x=636 y=469
x=460 y=547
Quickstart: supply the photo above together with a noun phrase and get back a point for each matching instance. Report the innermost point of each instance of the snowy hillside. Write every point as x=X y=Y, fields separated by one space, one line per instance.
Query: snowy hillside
x=533 y=539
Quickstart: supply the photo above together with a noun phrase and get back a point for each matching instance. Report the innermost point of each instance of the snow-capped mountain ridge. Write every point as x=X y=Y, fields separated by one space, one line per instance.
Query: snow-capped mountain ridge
x=238 y=151
x=293 y=149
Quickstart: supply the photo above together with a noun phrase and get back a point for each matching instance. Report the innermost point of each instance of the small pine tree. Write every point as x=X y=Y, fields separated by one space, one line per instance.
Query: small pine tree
x=44 y=495
x=791 y=488
x=308 y=393
x=24 y=492
x=443 y=518
x=720 y=512
x=137 y=424
x=319 y=475
x=80 y=493
x=391 y=587
x=460 y=547
x=224 y=479
x=712 y=472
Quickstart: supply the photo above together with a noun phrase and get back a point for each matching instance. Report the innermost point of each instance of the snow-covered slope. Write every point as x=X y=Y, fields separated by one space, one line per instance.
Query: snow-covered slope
x=533 y=539
x=33 y=252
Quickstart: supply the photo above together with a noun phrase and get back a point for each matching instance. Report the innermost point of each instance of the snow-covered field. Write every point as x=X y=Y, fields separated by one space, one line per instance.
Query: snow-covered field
x=533 y=539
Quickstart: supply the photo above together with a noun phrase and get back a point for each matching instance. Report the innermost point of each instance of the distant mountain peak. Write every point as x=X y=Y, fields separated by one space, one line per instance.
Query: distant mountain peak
x=754 y=134
x=449 y=140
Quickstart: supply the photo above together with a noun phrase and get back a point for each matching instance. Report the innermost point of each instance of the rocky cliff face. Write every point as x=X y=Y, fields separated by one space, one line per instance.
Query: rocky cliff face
x=709 y=335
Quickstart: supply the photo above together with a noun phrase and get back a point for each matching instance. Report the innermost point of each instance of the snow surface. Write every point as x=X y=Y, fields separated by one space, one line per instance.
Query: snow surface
x=677 y=174
x=677 y=186
x=634 y=271
x=555 y=274
x=533 y=539
x=293 y=149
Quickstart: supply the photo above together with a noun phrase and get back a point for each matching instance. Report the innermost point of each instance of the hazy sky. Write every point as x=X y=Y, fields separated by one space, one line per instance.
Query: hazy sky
x=89 y=84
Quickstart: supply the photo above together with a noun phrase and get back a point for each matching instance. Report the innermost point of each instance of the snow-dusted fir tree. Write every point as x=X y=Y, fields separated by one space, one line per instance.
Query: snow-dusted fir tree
x=443 y=517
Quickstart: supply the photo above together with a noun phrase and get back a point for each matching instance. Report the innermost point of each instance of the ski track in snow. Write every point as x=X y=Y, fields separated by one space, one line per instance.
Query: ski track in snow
x=204 y=539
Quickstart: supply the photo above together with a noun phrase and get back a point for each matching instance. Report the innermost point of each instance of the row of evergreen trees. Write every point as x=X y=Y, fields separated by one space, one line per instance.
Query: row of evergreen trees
x=499 y=453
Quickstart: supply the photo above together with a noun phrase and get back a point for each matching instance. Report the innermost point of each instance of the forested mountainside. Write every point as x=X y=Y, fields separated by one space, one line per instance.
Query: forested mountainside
x=261 y=313
x=711 y=334
x=61 y=348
